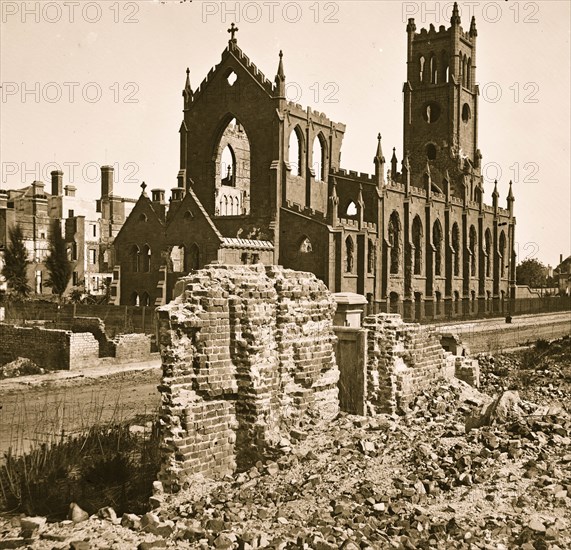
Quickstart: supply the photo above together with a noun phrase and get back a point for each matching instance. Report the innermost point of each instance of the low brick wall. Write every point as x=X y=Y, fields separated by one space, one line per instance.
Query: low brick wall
x=405 y=358
x=247 y=353
x=131 y=347
x=48 y=348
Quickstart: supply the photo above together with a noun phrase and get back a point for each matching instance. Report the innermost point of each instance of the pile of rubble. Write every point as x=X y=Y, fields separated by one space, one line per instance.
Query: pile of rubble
x=20 y=367
x=541 y=373
x=458 y=469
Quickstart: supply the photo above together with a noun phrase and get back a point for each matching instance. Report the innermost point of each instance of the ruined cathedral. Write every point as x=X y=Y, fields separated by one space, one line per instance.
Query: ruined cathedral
x=260 y=181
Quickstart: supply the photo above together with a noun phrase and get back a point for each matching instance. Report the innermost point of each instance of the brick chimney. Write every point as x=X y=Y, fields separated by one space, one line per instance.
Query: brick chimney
x=57 y=183
x=106 y=181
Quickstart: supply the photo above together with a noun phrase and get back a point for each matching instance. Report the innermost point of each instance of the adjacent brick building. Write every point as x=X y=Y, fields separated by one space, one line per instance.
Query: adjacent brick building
x=88 y=227
x=260 y=180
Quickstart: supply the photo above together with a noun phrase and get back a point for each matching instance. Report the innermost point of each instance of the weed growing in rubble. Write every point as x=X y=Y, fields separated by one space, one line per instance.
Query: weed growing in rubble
x=110 y=463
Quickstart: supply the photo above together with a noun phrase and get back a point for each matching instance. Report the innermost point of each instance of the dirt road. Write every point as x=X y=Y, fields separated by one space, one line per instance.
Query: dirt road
x=37 y=408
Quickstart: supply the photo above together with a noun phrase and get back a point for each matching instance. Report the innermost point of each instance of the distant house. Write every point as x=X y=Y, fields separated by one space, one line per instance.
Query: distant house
x=562 y=274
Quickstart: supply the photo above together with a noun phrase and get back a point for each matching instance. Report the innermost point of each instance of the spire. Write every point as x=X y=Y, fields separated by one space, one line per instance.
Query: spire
x=281 y=74
x=143 y=187
x=379 y=161
x=280 y=79
x=411 y=27
x=455 y=19
x=495 y=193
x=394 y=164
x=379 y=154
x=187 y=92
x=473 y=30
x=510 y=194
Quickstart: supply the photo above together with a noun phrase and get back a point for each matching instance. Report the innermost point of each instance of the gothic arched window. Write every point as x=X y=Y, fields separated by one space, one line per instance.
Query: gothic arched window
x=473 y=247
x=417 y=242
x=146 y=259
x=349 y=255
x=437 y=244
x=394 y=231
x=295 y=156
x=456 y=247
x=488 y=252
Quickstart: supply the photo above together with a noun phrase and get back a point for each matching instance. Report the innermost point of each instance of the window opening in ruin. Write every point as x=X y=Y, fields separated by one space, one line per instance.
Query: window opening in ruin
x=394 y=241
x=502 y=254
x=371 y=257
x=295 y=156
x=431 y=112
x=488 y=252
x=134 y=257
x=319 y=158
x=431 y=151
x=466 y=113
x=146 y=259
x=232 y=195
x=232 y=77
x=417 y=242
x=305 y=247
x=437 y=243
x=351 y=209
x=349 y=255
x=456 y=247
x=473 y=243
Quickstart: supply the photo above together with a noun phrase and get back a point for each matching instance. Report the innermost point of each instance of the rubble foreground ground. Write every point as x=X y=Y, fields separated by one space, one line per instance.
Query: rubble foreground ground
x=419 y=479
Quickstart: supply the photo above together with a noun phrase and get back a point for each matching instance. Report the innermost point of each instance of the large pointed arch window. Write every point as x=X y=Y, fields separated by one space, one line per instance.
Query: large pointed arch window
x=295 y=152
x=232 y=183
x=319 y=158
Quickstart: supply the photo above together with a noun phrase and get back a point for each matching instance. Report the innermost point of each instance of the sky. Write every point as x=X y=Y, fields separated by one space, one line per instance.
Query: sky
x=91 y=83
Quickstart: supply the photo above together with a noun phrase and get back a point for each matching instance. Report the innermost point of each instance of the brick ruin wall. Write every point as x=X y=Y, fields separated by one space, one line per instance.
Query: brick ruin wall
x=48 y=348
x=248 y=353
x=403 y=359
x=124 y=347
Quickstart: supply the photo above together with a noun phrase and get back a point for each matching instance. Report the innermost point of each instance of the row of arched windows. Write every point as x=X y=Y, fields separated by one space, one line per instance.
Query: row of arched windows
x=140 y=299
x=434 y=70
x=394 y=232
x=297 y=158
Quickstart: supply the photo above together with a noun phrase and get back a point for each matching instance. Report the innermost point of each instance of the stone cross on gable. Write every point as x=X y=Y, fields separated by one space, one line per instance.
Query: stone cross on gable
x=233 y=30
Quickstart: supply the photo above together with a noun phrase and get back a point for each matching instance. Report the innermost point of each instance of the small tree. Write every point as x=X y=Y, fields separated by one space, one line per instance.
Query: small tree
x=532 y=273
x=57 y=264
x=16 y=262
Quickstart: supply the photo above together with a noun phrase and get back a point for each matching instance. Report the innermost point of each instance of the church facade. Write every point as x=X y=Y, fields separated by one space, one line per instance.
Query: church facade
x=260 y=181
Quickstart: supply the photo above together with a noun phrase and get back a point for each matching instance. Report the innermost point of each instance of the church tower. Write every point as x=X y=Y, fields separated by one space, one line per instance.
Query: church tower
x=441 y=105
